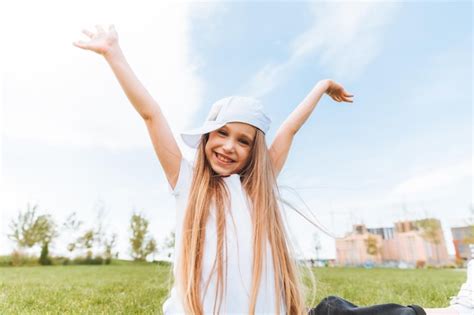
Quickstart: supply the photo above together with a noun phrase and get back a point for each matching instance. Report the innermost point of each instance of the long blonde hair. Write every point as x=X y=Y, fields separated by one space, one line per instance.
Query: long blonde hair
x=208 y=189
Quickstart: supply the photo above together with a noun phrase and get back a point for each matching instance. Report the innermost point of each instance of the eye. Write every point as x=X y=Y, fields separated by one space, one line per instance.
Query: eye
x=222 y=132
x=243 y=141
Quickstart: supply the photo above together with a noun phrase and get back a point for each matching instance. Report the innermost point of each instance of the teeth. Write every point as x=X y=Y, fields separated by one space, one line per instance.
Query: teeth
x=223 y=159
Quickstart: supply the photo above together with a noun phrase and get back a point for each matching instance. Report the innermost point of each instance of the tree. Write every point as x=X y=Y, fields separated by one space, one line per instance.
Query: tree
x=101 y=212
x=431 y=232
x=142 y=244
x=72 y=225
x=109 y=244
x=469 y=238
x=105 y=242
x=95 y=240
x=45 y=230
x=86 y=241
x=22 y=229
x=317 y=244
x=168 y=245
x=151 y=248
x=44 y=259
x=372 y=245
x=30 y=229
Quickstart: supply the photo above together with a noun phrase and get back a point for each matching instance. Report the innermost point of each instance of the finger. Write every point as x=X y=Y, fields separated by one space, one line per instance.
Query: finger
x=347 y=94
x=80 y=44
x=348 y=98
x=88 y=33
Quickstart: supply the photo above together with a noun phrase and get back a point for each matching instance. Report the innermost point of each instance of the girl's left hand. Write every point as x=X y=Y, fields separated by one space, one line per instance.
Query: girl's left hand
x=337 y=92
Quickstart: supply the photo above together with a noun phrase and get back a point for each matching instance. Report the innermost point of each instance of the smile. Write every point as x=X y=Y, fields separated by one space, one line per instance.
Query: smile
x=223 y=159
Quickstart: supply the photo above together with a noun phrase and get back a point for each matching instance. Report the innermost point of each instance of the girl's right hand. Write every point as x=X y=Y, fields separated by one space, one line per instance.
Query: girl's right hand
x=101 y=42
x=338 y=93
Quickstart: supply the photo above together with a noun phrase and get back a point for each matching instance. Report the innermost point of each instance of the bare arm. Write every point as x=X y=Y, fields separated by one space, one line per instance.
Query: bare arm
x=167 y=150
x=280 y=147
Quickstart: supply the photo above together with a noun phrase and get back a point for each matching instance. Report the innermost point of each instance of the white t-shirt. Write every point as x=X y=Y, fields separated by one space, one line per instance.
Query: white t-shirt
x=239 y=254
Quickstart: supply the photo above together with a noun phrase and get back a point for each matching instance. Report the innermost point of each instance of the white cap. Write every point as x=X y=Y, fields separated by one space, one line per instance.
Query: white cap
x=230 y=109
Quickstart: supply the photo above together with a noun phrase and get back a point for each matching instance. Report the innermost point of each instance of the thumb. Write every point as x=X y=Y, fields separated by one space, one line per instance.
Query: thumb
x=80 y=44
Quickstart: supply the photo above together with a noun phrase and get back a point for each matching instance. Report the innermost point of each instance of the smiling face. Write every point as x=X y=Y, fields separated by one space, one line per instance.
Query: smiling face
x=228 y=148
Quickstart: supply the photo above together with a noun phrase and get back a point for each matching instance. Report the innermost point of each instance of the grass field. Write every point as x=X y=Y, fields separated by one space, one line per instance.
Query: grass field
x=141 y=289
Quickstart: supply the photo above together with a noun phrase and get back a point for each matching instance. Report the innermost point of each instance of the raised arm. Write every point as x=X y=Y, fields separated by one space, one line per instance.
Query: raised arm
x=105 y=43
x=280 y=146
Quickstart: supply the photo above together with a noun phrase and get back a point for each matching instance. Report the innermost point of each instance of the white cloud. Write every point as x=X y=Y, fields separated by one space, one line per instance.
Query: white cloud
x=433 y=181
x=1 y=121
x=56 y=93
x=344 y=39
x=444 y=81
x=443 y=193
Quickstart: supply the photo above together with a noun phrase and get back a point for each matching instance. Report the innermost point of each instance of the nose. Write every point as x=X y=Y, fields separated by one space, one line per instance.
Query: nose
x=228 y=145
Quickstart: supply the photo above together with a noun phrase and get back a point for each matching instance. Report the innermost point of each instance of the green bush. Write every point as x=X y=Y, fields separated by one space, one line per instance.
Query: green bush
x=97 y=260
x=450 y=266
x=60 y=260
x=18 y=258
x=5 y=261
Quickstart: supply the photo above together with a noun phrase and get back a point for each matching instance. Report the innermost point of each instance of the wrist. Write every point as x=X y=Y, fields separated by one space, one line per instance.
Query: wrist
x=325 y=84
x=112 y=52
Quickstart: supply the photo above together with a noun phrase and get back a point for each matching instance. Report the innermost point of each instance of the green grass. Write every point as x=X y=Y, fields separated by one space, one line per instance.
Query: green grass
x=120 y=289
x=428 y=288
x=142 y=288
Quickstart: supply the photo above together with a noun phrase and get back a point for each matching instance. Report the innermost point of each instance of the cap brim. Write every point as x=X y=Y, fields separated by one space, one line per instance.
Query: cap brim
x=193 y=137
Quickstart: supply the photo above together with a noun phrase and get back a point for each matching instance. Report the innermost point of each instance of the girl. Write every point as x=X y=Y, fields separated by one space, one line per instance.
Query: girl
x=232 y=255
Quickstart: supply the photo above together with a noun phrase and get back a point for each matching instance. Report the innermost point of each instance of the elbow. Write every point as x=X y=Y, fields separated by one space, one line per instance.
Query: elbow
x=294 y=130
x=146 y=116
x=291 y=129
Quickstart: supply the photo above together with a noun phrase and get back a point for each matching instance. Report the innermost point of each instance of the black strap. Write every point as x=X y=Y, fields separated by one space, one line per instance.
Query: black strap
x=418 y=309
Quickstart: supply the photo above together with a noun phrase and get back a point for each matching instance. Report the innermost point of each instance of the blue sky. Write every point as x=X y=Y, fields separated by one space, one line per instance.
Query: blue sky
x=403 y=149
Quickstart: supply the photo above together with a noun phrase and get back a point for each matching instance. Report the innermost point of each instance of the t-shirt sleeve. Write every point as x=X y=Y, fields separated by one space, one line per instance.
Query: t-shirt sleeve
x=184 y=178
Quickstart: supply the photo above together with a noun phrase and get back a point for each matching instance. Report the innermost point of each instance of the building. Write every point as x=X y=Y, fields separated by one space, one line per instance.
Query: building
x=352 y=250
x=462 y=237
x=414 y=243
